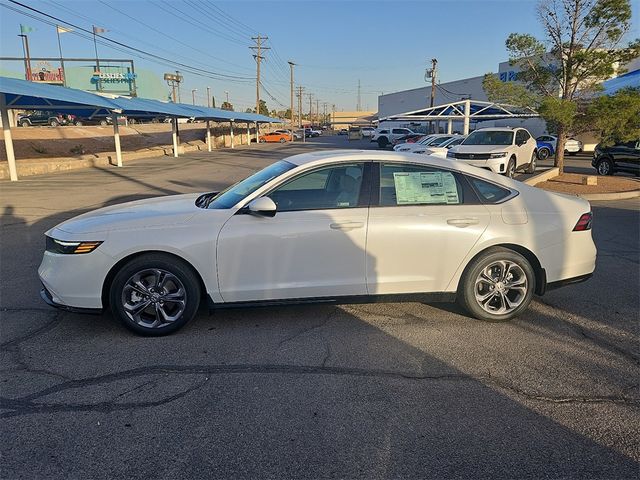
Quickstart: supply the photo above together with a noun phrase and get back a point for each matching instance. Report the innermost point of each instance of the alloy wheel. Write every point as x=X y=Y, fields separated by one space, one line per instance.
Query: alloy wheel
x=604 y=168
x=154 y=298
x=501 y=287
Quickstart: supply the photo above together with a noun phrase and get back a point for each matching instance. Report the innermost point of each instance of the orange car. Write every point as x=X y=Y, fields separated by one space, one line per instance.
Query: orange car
x=275 y=137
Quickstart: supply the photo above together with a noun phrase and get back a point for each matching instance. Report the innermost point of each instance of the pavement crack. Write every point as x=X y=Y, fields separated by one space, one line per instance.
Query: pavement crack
x=29 y=404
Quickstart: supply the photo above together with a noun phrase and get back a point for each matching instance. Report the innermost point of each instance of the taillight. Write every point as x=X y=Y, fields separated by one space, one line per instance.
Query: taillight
x=584 y=223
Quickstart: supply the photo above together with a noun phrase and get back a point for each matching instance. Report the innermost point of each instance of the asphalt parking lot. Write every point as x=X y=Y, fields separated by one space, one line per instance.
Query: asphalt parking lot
x=402 y=390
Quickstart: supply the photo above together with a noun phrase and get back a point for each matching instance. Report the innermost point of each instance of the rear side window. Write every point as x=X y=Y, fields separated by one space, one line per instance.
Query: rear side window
x=489 y=192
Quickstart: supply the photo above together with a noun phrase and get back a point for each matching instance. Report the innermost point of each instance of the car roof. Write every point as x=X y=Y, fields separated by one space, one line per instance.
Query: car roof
x=322 y=157
x=499 y=129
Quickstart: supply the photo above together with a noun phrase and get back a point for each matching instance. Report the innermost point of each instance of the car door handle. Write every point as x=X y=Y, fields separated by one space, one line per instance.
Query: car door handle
x=346 y=225
x=462 y=222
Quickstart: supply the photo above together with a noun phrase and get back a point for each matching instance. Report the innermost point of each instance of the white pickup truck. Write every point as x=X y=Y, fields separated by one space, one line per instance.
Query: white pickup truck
x=385 y=136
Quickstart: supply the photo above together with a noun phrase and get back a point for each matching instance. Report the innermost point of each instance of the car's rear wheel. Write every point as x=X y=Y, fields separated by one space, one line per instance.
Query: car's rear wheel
x=282 y=140
x=383 y=142
x=511 y=168
x=103 y=123
x=497 y=285
x=24 y=123
x=543 y=154
x=155 y=294
x=532 y=164
x=604 y=167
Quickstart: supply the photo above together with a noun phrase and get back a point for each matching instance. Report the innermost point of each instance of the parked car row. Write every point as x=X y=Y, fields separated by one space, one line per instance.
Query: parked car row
x=619 y=157
x=57 y=119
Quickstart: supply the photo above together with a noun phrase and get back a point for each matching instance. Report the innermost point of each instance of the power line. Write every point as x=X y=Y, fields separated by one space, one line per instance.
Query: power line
x=112 y=42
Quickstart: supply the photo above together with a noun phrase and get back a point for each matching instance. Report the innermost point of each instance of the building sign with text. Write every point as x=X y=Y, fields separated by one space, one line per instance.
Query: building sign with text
x=44 y=72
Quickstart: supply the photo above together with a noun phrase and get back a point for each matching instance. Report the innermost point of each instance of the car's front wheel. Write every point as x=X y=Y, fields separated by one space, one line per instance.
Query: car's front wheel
x=25 y=123
x=497 y=286
x=155 y=294
x=282 y=140
x=511 y=168
x=54 y=123
x=383 y=142
x=604 y=167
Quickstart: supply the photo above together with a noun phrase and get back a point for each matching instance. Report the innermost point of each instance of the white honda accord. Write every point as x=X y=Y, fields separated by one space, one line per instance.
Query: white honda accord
x=336 y=226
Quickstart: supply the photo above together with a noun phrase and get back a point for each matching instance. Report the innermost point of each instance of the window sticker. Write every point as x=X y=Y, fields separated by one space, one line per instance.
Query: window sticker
x=425 y=187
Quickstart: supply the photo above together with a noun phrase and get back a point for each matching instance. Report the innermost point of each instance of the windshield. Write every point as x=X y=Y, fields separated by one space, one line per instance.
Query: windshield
x=232 y=195
x=489 y=137
x=425 y=140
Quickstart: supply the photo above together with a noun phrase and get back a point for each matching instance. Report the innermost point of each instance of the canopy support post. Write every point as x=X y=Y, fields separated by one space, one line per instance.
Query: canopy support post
x=208 y=135
x=174 y=128
x=257 y=134
x=450 y=126
x=248 y=134
x=8 y=141
x=231 y=133
x=116 y=138
x=467 y=115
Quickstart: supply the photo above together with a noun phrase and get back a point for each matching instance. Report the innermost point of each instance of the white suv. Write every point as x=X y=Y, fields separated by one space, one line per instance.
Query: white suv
x=501 y=150
x=386 y=136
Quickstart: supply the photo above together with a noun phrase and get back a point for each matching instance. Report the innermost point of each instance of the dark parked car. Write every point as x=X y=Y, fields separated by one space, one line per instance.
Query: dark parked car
x=102 y=121
x=620 y=157
x=343 y=131
x=41 y=117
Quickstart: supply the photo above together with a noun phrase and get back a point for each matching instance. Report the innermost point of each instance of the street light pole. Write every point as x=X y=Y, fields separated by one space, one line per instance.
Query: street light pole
x=193 y=95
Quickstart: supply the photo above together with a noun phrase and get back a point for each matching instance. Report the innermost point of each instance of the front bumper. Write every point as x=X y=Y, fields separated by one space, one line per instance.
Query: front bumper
x=496 y=165
x=48 y=299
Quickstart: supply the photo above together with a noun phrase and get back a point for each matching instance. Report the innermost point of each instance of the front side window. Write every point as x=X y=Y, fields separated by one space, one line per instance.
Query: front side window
x=406 y=184
x=489 y=137
x=235 y=193
x=337 y=186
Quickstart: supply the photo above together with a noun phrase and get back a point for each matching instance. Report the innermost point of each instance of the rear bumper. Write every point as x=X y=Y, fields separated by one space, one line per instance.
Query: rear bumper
x=568 y=281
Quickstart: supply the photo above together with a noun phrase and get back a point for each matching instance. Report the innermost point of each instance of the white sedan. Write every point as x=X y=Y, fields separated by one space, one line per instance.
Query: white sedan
x=442 y=149
x=571 y=145
x=337 y=226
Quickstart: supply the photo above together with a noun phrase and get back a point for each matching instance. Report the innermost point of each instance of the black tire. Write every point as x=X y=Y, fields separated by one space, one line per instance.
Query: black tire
x=604 y=167
x=77 y=123
x=531 y=168
x=282 y=140
x=25 y=123
x=54 y=123
x=511 y=168
x=103 y=123
x=543 y=153
x=383 y=142
x=173 y=268
x=470 y=285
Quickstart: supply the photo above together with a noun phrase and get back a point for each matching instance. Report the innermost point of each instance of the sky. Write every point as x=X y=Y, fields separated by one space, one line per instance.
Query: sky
x=384 y=45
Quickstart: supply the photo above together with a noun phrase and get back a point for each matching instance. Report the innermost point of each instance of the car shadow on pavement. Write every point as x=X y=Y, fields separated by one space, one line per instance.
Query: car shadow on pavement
x=306 y=391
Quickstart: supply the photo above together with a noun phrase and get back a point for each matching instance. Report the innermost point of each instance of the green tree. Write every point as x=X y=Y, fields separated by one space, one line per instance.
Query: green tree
x=583 y=45
x=614 y=117
x=226 y=106
x=264 y=110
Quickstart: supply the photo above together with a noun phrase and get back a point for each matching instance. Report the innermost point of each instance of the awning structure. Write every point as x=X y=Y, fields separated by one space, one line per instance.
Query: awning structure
x=24 y=95
x=628 y=80
x=465 y=111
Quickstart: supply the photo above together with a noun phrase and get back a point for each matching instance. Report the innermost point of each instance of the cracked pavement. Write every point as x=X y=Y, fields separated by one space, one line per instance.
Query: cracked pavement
x=391 y=390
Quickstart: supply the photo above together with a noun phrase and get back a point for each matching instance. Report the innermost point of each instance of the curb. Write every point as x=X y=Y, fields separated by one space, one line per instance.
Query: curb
x=543 y=177
x=611 y=196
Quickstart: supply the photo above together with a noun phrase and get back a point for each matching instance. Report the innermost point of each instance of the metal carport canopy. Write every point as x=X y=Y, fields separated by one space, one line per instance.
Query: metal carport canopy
x=465 y=111
x=20 y=94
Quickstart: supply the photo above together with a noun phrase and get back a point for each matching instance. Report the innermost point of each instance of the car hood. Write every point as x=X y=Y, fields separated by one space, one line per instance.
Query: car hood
x=480 y=148
x=147 y=213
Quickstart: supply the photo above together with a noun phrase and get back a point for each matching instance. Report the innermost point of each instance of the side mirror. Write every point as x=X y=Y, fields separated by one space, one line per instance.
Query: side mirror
x=263 y=206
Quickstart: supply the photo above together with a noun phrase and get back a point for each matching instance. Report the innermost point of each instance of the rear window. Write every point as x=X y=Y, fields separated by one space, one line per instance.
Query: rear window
x=489 y=192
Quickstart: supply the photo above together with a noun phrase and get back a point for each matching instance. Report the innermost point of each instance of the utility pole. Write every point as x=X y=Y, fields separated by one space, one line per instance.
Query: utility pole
x=258 y=56
x=324 y=112
x=358 y=105
x=209 y=97
x=291 y=64
x=300 y=94
x=317 y=112
x=432 y=73
x=178 y=80
x=310 y=107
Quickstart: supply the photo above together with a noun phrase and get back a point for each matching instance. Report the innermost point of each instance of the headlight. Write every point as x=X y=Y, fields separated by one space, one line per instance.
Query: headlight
x=498 y=155
x=63 y=247
x=451 y=154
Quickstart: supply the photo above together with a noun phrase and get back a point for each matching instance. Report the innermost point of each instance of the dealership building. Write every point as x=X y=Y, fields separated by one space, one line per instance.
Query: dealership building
x=398 y=103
